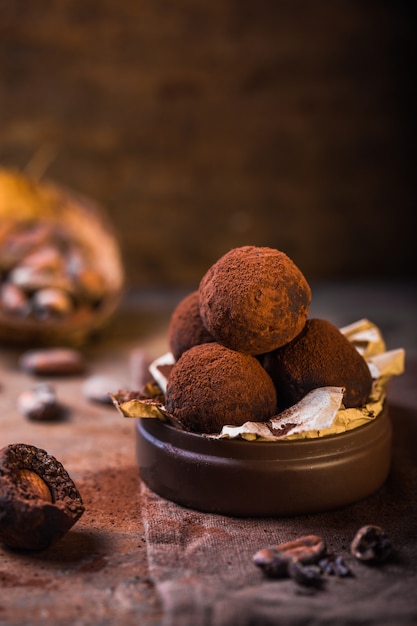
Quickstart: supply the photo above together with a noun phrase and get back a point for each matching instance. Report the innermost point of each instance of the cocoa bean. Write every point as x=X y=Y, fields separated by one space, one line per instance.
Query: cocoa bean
x=13 y=300
x=275 y=560
x=40 y=403
x=47 y=258
x=52 y=361
x=31 y=279
x=371 y=545
x=51 y=303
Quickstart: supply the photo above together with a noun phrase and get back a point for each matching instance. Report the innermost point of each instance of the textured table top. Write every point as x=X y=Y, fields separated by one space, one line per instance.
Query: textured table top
x=98 y=573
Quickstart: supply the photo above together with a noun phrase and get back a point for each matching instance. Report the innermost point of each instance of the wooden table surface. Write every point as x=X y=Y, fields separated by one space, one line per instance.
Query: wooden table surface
x=97 y=573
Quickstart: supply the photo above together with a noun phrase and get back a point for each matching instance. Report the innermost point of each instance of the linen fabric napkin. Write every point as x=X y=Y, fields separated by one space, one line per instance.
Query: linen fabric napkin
x=202 y=567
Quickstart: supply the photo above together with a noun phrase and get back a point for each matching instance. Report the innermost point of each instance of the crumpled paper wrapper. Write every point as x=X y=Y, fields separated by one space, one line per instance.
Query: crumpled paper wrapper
x=320 y=413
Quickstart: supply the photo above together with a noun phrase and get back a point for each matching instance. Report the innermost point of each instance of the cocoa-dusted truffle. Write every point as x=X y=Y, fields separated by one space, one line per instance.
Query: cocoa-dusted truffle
x=254 y=299
x=186 y=328
x=211 y=385
x=319 y=356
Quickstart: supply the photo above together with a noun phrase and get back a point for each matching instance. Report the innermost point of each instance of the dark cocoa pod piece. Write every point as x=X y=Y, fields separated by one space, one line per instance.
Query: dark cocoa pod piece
x=39 y=502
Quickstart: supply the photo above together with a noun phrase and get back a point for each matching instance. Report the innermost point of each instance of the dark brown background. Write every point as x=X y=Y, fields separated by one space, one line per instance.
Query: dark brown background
x=202 y=126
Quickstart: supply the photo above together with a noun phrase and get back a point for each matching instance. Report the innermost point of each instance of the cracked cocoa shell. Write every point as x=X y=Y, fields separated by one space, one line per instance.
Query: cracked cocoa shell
x=39 y=502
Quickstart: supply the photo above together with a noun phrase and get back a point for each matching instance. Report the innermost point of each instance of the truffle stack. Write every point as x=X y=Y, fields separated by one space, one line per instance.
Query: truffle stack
x=245 y=349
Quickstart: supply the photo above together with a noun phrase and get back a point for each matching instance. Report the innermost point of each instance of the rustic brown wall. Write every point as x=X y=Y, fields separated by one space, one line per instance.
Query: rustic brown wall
x=207 y=125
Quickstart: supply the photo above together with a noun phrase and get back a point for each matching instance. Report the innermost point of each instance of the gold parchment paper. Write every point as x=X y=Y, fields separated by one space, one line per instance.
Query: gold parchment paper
x=318 y=414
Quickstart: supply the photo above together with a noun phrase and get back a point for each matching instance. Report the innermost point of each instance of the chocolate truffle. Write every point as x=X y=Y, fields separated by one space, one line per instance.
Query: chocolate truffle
x=254 y=299
x=186 y=328
x=320 y=356
x=211 y=385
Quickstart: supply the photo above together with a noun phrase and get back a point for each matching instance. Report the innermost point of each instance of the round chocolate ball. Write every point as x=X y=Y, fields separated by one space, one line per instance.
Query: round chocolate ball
x=186 y=328
x=320 y=356
x=211 y=386
x=254 y=299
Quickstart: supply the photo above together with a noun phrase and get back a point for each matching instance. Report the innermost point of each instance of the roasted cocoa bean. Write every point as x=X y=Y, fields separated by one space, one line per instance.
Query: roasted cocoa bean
x=19 y=240
x=31 y=279
x=51 y=303
x=371 y=545
x=13 y=300
x=40 y=403
x=47 y=258
x=274 y=561
x=52 y=361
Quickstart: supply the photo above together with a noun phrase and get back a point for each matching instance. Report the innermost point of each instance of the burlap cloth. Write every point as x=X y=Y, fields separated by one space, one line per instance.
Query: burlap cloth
x=202 y=566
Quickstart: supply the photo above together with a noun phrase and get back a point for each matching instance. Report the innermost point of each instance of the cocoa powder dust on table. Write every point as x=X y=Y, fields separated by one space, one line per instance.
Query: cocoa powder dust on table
x=98 y=572
x=112 y=501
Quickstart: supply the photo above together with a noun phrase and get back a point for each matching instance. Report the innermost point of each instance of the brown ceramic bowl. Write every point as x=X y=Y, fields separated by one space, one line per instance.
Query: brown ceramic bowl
x=260 y=479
